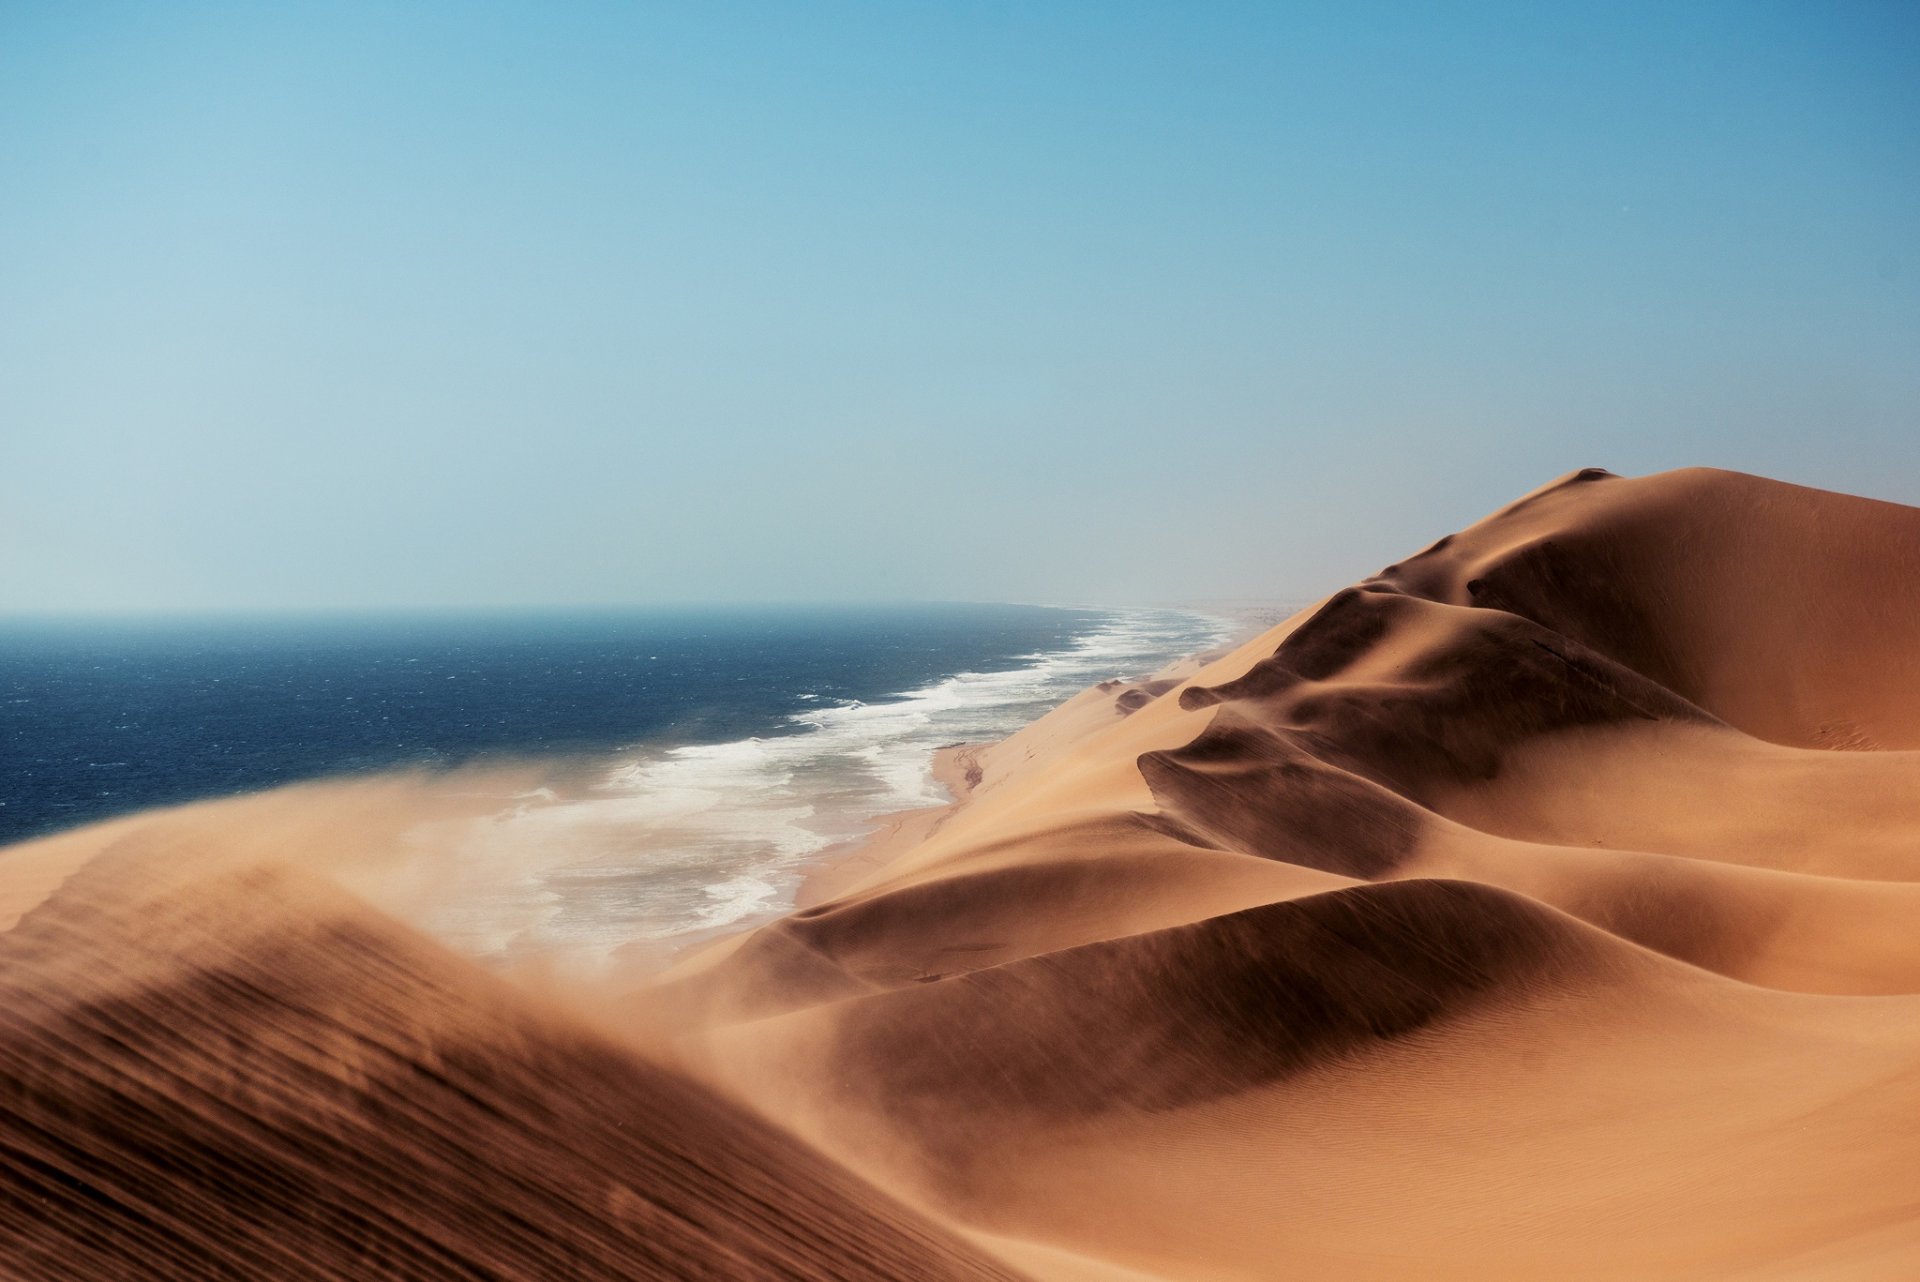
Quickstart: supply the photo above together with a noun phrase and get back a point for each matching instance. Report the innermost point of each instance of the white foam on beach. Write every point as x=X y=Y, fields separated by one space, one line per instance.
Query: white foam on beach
x=676 y=843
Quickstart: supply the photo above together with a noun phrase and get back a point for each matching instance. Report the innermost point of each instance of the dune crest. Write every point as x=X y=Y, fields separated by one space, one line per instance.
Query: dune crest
x=1618 y=781
x=219 y=1066
x=1543 y=906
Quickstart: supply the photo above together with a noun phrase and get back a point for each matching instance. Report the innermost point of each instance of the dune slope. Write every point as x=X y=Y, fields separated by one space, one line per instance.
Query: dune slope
x=248 y=1075
x=1555 y=889
x=1544 y=906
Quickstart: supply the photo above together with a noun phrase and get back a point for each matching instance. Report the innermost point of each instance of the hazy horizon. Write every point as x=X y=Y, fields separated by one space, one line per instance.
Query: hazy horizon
x=451 y=307
x=1218 y=607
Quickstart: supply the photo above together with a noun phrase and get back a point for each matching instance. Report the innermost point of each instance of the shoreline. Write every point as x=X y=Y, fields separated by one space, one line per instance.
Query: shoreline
x=1422 y=876
x=322 y=703
x=961 y=768
x=836 y=869
x=426 y=875
x=1419 y=900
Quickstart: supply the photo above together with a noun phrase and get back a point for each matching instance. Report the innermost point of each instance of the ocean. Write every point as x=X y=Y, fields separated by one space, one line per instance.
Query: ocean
x=711 y=753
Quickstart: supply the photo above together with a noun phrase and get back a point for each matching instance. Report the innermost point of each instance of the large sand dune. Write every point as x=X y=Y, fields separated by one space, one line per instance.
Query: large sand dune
x=1546 y=906
x=246 y=1074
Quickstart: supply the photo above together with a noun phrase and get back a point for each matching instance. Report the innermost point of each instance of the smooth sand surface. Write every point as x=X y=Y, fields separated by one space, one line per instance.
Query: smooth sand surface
x=1546 y=906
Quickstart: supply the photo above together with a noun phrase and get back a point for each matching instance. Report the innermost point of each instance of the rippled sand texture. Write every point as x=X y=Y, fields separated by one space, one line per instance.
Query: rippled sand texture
x=1546 y=906
x=247 y=1075
x=1543 y=907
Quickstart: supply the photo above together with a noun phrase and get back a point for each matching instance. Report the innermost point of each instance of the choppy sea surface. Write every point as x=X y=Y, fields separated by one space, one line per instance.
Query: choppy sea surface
x=713 y=752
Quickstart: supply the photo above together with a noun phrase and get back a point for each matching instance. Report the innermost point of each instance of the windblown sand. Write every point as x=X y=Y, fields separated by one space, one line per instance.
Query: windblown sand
x=1546 y=906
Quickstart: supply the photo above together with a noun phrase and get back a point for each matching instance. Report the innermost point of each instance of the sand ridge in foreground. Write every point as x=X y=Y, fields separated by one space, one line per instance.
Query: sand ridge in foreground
x=1542 y=907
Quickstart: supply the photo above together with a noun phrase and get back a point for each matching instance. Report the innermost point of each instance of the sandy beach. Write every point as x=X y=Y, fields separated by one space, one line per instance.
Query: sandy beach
x=1542 y=906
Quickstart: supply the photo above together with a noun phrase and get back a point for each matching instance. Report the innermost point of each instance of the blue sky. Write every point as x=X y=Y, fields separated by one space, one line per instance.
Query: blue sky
x=478 y=304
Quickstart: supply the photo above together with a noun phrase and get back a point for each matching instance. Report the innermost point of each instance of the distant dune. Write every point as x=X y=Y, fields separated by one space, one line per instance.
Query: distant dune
x=1546 y=906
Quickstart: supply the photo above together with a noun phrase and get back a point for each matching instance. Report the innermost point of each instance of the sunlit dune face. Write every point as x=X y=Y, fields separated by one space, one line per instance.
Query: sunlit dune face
x=1516 y=890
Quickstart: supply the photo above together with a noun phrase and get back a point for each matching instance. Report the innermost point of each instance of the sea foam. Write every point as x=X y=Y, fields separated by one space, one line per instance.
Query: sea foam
x=672 y=844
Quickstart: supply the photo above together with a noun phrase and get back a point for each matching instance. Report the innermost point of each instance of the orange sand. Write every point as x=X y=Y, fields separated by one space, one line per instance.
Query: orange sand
x=1546 y=906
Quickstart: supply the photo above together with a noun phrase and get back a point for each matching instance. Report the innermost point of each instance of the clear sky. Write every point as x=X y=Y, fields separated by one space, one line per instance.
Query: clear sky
x=480 y=304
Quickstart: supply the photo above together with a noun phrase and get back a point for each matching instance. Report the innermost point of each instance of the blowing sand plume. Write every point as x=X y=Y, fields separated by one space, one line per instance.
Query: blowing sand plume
x=1542 y=907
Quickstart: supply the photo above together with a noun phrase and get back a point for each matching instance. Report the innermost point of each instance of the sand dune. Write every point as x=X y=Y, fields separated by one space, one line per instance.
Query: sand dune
x=1542 y=907
x=239 y=1071
x=1588 y=950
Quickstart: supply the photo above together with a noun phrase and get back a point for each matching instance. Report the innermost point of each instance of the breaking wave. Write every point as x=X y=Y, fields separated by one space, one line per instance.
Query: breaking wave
x=672 y=843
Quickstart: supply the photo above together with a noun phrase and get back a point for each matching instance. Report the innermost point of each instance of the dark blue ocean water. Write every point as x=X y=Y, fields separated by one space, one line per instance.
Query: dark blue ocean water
x=676 y=770
x=98 y=718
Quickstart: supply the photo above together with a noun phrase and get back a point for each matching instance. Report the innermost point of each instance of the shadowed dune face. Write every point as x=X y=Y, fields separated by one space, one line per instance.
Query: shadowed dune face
x=1326 y=752
x=250 y=1077
x=1509 y=916
x=1132 y=698
x=1224 y=782
x=1407 y=692
x=1168 y=1019
x=1569 y=755
x=1108 y=877
x=871 y=938
x=1786 y=611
